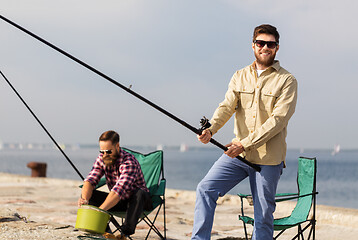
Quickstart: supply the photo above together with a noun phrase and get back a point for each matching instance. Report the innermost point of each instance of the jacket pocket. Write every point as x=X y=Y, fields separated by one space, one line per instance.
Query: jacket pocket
x=268 y=99
x=246 y=97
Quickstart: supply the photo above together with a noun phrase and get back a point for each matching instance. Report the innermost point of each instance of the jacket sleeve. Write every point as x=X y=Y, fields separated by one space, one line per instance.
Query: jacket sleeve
x=96 y=172
x=226 y=108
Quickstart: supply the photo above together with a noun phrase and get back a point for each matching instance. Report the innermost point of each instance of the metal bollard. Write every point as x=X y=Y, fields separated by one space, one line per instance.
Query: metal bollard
x=38 y=169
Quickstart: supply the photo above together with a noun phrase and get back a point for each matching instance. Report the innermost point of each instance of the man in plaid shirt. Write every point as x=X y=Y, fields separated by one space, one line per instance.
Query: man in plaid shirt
x=125 y=181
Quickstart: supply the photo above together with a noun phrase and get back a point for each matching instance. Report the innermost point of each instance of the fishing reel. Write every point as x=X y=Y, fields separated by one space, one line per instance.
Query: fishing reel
x=204 y=122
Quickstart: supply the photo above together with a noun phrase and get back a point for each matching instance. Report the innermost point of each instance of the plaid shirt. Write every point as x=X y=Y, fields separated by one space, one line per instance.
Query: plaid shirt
x=123 y=177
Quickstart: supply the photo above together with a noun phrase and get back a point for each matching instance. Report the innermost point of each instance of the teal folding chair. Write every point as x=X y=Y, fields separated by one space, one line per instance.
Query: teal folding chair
x=153 y=171
x=306 y=198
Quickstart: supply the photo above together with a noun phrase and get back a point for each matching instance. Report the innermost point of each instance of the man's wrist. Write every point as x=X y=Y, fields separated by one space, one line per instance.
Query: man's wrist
x=210 y=132
x=85 y=201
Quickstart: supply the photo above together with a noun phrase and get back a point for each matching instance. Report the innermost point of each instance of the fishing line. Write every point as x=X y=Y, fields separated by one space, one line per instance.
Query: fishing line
x=43 y=127
x=193 y=129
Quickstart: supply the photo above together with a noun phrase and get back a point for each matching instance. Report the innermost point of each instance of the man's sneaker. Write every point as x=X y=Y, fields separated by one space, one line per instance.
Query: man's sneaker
x=109 y=235
x=121 y=237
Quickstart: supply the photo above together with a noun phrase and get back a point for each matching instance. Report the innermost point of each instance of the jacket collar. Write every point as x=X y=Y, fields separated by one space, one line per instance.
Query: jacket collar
x=276 y=66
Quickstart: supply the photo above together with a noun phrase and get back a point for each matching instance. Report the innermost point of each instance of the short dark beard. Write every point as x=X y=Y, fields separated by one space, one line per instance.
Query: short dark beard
x=110 y=160
x=266 y=63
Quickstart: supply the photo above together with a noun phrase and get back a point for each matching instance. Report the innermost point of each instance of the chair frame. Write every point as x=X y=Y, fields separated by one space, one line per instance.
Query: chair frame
x=290 y=196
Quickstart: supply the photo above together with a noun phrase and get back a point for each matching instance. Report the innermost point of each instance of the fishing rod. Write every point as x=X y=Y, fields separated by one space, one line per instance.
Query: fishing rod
x=193 y=129
x=43 y=127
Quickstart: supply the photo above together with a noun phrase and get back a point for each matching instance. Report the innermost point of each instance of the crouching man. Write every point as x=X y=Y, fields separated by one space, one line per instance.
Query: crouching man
x=125 y=181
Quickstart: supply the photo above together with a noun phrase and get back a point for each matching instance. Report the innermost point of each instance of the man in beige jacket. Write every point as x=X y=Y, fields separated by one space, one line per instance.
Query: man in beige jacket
x=263 y=97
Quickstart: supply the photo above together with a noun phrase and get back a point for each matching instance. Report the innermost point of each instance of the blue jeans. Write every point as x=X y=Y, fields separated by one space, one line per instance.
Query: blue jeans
x=225 y=174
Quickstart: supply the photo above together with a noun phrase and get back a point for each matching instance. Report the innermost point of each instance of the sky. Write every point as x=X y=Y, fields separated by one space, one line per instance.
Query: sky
x=179 y=55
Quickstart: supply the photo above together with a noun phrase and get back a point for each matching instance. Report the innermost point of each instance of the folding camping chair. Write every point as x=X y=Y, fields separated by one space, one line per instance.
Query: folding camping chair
x=306 y=197
x=152 y=168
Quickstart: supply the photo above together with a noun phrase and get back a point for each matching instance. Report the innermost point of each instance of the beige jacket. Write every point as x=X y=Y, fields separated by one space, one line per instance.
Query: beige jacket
x=263 y=106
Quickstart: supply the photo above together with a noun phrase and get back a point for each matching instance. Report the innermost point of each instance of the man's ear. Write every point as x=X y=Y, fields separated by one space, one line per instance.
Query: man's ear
x=117 y=146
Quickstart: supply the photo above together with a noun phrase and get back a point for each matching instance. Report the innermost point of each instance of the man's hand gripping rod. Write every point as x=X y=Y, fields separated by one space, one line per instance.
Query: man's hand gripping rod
x=204 y=122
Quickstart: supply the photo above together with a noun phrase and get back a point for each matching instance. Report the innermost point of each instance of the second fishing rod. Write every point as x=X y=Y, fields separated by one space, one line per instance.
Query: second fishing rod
x=193 y=129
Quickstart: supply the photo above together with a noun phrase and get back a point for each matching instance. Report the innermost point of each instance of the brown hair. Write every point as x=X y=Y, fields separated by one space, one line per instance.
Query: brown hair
x=110 y=136
x=267 y=29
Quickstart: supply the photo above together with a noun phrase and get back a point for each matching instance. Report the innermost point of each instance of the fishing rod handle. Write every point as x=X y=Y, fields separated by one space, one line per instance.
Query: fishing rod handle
x=205 y=124
x=254 y=166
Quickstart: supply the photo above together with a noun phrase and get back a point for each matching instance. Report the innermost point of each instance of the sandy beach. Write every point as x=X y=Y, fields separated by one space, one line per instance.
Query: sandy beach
x=45 y=208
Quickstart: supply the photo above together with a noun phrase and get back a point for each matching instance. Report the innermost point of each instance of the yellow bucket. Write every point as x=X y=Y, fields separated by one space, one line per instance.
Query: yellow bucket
x=92 y=219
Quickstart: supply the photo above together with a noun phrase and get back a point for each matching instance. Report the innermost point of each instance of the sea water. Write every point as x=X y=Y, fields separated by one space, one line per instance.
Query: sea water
x=336 y=174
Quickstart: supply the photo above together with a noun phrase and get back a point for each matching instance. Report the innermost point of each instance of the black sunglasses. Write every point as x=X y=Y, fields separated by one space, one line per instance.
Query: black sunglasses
x=105 y=151
x=262 y=43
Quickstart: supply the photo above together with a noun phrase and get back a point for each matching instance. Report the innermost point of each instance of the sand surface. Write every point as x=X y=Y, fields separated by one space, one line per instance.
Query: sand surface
x=45 y=208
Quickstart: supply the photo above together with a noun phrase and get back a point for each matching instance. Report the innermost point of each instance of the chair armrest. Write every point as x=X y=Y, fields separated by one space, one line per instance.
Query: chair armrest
x=285 y=194
x=101 y=182
x=294 y=196
x=243 y=195
x=280 y=197
x=248 y=197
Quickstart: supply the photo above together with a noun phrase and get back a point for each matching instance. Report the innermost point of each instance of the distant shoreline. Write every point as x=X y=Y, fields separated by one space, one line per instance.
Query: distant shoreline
x=46 y=146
